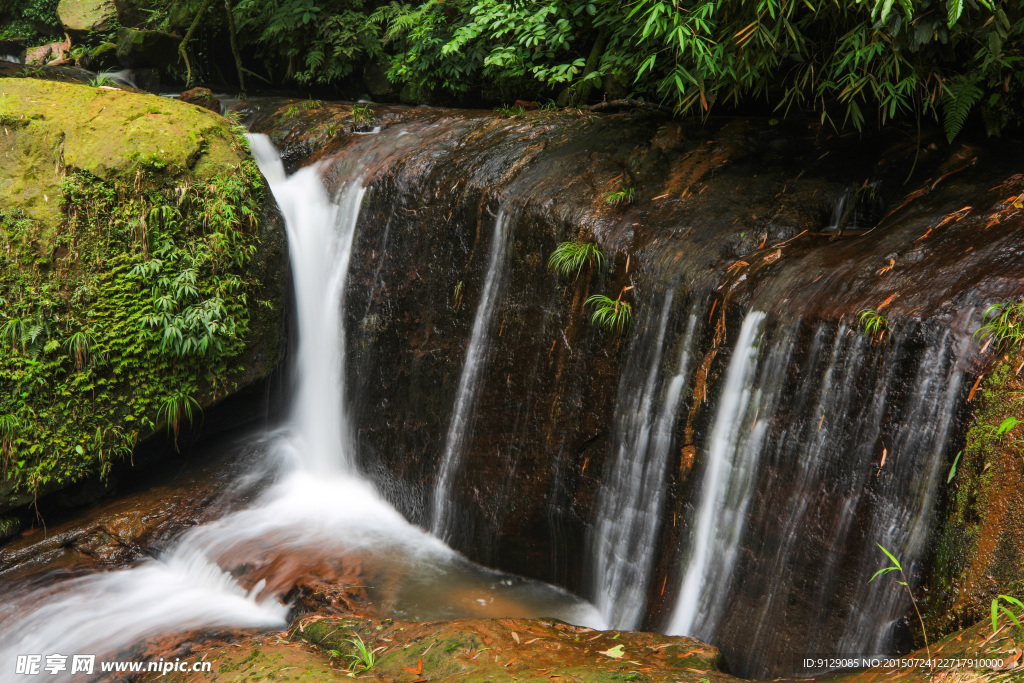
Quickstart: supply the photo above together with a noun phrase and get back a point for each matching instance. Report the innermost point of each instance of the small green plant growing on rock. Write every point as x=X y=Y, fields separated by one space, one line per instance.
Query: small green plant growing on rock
x=512 y=112
x=612 y=314
x=874 y=324
x=570 y=257
x=620 y=197
x=312 y=104
x=365 y=658
x=362 y=114
x=458 y=295
x=897 y=567
x=998 y=607
x=1006 y=426
x=1004 y=325
x=102 y=79
x=175 y=406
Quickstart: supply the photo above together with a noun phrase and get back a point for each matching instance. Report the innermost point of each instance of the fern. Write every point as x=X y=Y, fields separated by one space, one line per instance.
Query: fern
x=961 y=95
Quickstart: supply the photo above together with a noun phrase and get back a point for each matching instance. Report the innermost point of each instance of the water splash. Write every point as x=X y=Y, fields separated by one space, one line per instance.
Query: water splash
x=320 y=510
x=465 y=396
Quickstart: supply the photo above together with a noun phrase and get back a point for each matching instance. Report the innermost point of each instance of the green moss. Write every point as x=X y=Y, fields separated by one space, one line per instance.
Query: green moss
x=980 y=551
x=127 y=291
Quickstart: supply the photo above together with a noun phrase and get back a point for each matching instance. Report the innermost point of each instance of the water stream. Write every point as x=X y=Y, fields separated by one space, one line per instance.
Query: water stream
x=320 y=509
x=465 y=396
x=629 y=503
x=745 y=407
x=814 y=460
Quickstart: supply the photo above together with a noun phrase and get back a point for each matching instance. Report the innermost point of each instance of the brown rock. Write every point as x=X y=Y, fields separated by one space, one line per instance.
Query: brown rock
x=201 y=97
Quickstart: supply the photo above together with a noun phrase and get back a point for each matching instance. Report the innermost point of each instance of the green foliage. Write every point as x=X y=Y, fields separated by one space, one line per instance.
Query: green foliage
x=313 y=41
x=874 y=323
x=362 y=114
x=962 y=93
x=1004 y=325
x=998 y=607
x=622 y=196
x=34 y=20
x=139 y=301
x=952 y=470
x=568 y=258
x=844 y=59
x=897 y=567
x=1006 y=425
x=365 y=658
x=612 y=314
x=852 y=63
x=511 y=112
x=102 y=79
x=457 y=295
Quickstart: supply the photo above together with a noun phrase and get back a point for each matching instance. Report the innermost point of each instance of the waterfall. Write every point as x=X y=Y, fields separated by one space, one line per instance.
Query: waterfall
x=465 y=396
x=320 y=234
x=901 y=521
x=745 y=407
x=853 y=458
x=319 y=509
x=629 y=503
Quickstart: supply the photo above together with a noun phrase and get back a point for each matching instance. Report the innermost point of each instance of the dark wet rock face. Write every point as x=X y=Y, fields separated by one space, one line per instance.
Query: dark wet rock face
x=846 y=435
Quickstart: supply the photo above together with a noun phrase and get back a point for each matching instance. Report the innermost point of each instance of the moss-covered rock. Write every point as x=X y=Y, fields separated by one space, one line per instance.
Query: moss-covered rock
x=110 y=134
x=139 y=47
x=141 y=275
x=82 y=16
x=980 y=550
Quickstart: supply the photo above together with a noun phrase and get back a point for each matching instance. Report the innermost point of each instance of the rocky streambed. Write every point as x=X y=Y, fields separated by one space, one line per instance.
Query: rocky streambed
x=472 y=382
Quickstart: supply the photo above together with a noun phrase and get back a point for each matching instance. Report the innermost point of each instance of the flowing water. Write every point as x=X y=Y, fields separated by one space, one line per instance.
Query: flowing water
x=813 y=443
x=465 y=396
x=629 y=503
x=320 y=509
x=853 y=460
x=745 y=407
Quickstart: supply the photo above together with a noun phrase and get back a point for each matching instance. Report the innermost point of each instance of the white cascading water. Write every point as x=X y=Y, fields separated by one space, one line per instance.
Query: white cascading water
x=629 y=503
x=476 y=359
x=744 y=411
x=319 y=509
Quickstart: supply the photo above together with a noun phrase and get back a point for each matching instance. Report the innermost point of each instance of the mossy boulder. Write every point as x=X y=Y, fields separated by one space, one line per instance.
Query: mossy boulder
x=83 y=16
x=142 y=270
x=111 y=134
x=139 y=47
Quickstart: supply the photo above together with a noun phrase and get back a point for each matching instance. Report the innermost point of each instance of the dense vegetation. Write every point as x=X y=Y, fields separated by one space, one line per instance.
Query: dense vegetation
x=155 y=305
x=133 y=300
x=850 y=63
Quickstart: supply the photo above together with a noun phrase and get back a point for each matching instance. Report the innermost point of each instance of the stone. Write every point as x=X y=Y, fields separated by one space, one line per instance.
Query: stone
x=51 y=53
x=104 y=131
x=51 y=130
x=201 y=97
x=83 y=16
x=375 y=78
x=139 y=47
